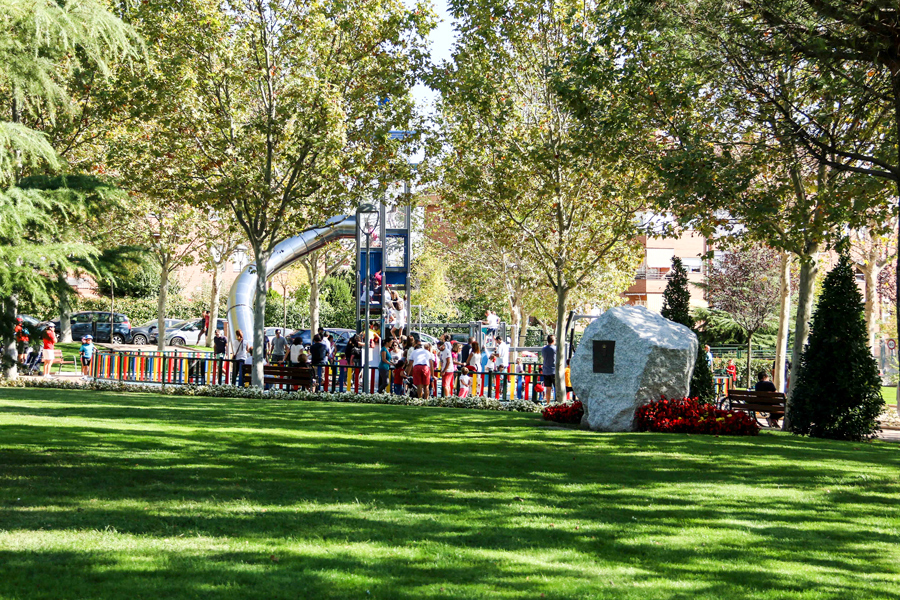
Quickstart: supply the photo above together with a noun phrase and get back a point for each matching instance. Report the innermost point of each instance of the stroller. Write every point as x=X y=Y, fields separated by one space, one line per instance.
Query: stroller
x=34 y=362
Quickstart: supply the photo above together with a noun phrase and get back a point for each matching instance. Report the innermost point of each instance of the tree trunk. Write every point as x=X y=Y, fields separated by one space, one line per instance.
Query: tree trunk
x=259 y=317
x=65 y=309
x=523 y=329
x=514 y=330
x=784 y=318
x=562 y=293
x=314 y=300
x=809 y=269
x=749 y=357
x=284 y=310
x=161 y=307
x=871 y=271
x=895 y=83
x=213 y=305
x=10 y=352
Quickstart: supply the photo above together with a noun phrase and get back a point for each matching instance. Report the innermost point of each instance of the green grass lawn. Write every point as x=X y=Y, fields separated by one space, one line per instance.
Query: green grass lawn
x=889 y=394
x=143 y=496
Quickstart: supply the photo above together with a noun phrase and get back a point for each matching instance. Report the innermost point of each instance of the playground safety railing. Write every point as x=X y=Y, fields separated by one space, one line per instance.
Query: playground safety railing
x=175 y=368
x=171 y=369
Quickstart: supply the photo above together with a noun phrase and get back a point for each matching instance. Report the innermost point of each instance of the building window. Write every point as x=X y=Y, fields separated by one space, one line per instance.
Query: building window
x=660 y=258
x=693 y=264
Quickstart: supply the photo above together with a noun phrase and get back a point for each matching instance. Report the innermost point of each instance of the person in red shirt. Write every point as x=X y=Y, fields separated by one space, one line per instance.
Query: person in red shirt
x=49 y=343
x=22 y=339
x=731 y=370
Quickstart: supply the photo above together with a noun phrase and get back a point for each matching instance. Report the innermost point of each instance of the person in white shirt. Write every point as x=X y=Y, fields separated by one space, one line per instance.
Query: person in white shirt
x=502 y=354
x=448 y=369
x=421 y=371
x=473 y=364
x=296 y=350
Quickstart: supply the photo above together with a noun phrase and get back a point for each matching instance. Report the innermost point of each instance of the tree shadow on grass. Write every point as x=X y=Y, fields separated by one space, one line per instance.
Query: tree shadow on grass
x=432 y=498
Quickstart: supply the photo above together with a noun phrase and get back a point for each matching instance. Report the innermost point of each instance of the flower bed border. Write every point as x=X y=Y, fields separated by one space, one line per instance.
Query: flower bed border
x=230 y=391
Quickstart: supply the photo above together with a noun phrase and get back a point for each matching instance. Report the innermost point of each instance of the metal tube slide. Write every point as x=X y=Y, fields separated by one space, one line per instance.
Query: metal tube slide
x=243 y=290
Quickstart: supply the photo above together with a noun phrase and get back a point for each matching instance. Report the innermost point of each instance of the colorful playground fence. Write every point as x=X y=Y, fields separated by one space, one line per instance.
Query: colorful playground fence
x=176 y=368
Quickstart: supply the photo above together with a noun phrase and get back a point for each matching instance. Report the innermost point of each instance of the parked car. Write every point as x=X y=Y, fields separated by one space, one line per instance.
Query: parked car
x=96 y=323
x=425 y=338
x=270 y=332
x=187 y=333
x=341 y=337
x=146 y=332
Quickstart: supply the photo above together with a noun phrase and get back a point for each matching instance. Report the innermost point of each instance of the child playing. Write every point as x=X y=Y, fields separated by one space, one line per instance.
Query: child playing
x=465 y=383
x=87 y=353
x=399 y=377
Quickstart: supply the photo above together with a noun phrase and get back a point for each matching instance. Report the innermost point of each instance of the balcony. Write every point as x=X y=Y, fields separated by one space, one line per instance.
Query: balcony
x=651 y=273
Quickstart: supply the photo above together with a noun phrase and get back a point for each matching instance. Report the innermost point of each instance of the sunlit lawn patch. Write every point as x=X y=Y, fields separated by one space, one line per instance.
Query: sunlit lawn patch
x=141 y=496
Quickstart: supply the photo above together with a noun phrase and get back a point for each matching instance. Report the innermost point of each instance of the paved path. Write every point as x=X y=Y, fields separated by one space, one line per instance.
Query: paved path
x=890 y=435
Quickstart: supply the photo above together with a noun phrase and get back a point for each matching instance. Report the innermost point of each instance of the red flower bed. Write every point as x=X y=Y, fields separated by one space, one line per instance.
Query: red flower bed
x=564 y=413
x=687 y=415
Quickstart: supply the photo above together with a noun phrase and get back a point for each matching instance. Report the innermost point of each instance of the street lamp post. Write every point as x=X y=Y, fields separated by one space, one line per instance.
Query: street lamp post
x=367 y=221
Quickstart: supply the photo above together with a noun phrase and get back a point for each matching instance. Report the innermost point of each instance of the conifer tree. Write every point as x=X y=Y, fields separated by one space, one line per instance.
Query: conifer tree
x=838 y=391
x=677 y=308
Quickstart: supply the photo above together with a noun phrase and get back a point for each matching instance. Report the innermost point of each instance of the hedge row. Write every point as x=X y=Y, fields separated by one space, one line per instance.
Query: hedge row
x=230 y=391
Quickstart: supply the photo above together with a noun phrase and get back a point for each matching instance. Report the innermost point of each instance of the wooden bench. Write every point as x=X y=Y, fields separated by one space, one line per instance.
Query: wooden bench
x=292 y=377
x=750 y=401
x=59 y=360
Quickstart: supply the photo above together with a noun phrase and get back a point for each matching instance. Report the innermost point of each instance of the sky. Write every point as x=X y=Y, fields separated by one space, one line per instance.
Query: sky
x=441 y=39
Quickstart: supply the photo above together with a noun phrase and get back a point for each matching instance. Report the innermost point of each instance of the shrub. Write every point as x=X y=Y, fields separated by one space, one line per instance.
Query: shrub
x=688 y=415
x=564 y=413
x=837 y=394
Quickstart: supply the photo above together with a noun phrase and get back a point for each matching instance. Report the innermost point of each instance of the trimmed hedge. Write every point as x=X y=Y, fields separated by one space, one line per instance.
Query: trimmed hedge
x=230 y=391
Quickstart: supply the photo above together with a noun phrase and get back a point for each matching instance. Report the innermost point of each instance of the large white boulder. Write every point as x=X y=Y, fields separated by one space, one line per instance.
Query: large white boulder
x=640 y=355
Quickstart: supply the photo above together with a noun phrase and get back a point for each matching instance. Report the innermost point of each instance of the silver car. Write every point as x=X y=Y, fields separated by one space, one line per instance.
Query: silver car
x=187 y=333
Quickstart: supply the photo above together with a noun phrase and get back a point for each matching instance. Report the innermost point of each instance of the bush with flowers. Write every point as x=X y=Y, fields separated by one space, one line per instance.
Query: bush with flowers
x=688 y=415
x=564 y=413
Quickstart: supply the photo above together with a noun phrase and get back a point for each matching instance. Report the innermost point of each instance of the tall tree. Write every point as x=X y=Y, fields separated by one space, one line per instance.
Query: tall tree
x=41 y=44
x=280 y=103
x=677 y=308
x=838 y=394
x=220 y=238
x=727 y=98
x=512 y=148
x=745 y=284
x=873 y=248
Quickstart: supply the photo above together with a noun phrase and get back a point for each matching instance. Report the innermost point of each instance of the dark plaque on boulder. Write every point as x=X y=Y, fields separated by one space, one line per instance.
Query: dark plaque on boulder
x=604 y=351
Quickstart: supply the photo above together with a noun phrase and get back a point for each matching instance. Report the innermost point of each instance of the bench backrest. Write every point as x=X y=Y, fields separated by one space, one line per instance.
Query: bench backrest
x=750 y=400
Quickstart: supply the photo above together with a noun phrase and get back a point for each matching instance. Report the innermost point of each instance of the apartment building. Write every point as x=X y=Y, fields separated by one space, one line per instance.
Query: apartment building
x=651 y=279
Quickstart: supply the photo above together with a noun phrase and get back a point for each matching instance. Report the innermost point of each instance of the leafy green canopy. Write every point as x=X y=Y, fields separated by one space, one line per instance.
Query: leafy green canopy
x=838 y=390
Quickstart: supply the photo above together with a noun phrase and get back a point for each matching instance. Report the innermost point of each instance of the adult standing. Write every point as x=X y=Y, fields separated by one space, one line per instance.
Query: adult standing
x=21 y=335
x=204 y=327
x=421 y=370
x=279 y=347
x=354 y=356
x=241 y=355
x=384 y=365
x=464 y=352
x=318 y=354
x=548 y=354
x=473 y=364
x=49 y=345
x=709 y=356
x=220 y=344
x=448 y=370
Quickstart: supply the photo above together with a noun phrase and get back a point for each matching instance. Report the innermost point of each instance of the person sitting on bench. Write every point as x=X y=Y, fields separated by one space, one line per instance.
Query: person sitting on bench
x=763 y=384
